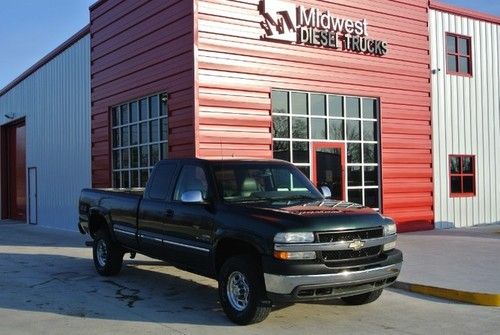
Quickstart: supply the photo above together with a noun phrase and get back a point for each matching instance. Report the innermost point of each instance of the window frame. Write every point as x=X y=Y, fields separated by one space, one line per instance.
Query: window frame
x=462 y=175
x=344 y=118
x=150 y=142
x=457 y=55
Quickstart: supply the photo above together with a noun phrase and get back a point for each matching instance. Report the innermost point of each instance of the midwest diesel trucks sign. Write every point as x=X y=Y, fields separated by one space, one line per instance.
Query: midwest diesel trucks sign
x=287 y=22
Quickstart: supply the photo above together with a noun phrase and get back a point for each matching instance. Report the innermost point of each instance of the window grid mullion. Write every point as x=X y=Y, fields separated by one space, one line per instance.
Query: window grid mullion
x=147 y=144
x=344 y=118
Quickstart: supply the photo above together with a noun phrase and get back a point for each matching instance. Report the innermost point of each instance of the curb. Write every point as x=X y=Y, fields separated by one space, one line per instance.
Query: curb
x=475 y=298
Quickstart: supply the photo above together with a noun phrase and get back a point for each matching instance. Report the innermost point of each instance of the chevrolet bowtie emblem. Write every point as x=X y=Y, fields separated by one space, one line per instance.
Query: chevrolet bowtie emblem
x=357 y=245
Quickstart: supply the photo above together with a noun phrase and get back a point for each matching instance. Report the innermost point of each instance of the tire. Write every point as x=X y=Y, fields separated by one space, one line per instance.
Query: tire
x=108 y=262
x=362 y=299
x=245 y=271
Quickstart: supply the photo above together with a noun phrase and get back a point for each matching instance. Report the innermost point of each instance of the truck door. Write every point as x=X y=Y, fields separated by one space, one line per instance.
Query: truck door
x=155 y=209
x=189 y=232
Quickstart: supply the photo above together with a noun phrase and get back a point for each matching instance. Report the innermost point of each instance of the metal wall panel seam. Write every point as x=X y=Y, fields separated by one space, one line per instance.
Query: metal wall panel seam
x=471 y=108
x=51 y=99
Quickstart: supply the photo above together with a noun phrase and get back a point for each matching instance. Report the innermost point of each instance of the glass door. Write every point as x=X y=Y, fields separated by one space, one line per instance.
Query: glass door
x=328 y=167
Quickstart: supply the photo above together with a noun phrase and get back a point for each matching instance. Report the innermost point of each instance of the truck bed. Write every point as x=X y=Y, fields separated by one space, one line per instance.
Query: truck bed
x=121 y=206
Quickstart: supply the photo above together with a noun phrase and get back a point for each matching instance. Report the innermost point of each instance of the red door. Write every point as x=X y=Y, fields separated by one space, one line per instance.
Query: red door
x=328 y=167
x=15 y=153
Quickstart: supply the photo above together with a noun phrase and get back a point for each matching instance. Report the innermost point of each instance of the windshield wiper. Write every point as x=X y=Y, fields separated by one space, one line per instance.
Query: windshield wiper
x=293 y=197
x=240 y=201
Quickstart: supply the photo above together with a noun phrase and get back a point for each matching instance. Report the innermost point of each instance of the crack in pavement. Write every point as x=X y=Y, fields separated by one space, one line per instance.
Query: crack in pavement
x=121 y=294
x=44 y=283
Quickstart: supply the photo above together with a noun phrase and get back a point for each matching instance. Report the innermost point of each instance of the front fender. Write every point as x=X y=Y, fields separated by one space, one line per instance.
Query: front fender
x=258 y=242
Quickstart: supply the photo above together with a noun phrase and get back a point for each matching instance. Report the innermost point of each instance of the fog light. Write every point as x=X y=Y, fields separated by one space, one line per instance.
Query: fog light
x=291 y=256
x=390 y=246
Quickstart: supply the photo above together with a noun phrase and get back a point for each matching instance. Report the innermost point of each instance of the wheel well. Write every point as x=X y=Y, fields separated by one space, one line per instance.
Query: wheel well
x=230 y=247
x=96 y=222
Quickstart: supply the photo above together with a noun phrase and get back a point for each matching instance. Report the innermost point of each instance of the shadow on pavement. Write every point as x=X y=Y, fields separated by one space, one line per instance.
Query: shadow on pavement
x=70 y=286
x=22 y=234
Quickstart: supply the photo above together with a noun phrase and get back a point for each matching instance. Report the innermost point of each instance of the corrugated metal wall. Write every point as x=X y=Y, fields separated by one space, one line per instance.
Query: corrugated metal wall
x=466 y=120
x=140 y=48
x=55 y=100
x=236 y=71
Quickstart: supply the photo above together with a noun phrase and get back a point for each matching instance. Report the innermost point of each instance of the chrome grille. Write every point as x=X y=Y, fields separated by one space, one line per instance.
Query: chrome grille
x=350 y=235
x=343 y=255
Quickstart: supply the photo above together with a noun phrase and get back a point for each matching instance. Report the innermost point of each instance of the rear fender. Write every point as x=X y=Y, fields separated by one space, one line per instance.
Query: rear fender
x=99 y=216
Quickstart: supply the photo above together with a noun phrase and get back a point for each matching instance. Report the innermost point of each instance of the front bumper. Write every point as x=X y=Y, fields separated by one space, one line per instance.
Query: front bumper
x=306 y=286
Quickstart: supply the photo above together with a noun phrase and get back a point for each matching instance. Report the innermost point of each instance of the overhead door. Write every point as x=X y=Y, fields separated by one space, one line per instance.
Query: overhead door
x=14 y=188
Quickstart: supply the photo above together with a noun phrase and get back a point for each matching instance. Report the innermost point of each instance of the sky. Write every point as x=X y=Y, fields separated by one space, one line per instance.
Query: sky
x=30 y=29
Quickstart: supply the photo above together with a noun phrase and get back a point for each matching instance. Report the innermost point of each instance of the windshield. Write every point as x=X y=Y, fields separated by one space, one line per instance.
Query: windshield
x=263 y=182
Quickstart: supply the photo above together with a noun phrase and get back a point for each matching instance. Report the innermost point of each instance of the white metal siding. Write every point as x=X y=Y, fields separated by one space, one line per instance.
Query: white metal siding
x=55 y=100
x=465 y=118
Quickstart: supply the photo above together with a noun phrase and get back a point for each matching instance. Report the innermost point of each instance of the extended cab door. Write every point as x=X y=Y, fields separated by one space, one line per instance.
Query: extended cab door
x=155 y=210
x=189 y=232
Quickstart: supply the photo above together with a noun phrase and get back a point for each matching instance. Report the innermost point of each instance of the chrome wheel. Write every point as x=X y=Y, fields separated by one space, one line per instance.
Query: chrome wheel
x=238 y=291
x=101 y=252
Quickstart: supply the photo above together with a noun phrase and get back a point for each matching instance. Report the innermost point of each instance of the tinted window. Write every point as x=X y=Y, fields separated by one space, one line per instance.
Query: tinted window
x=192 y=178
x=139 y=139
x=353 y=107
x=281 y=127
x=451 y=43
x=458 y=55
x=301 y=152
x=263 y=182
x=282 y=150
x=279 y=102
x=162 y=178
x=318 y=127
x=336 y=106
x=452 y=63
x=318 y=104
x=462 y=176
x=299 y=103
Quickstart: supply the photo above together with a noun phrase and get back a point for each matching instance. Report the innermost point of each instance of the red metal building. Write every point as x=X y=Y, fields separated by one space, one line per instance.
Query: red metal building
x=340 y=88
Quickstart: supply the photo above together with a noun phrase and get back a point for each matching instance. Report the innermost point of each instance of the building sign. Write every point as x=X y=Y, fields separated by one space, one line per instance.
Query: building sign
x=287 y=22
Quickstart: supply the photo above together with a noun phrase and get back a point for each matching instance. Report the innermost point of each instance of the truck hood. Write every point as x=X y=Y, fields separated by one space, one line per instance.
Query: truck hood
x=322 y=208
x=327 y=215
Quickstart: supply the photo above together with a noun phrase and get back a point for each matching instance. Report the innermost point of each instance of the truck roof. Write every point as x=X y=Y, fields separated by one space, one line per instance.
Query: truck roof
x=228 y=161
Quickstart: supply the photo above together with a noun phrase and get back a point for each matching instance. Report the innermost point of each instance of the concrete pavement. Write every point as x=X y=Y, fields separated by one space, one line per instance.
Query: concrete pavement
x=461 y=260
x=48 y=286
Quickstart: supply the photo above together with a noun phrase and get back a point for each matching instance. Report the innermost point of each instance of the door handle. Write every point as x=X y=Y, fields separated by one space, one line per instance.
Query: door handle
x=169 y=213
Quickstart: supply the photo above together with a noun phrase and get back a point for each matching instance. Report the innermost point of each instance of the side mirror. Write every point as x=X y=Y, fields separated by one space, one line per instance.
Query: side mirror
x=192 y=197
x=325 y=190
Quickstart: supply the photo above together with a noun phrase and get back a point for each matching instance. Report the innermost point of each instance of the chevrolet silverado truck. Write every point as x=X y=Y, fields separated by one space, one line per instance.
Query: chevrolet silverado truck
x=260 y=228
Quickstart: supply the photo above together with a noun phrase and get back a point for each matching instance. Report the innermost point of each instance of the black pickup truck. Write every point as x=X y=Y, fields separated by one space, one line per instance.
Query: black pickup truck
x=260 y=228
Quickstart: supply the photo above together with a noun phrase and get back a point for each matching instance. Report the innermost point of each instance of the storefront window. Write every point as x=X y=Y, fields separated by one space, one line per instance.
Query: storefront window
x=303 y=118
x=139 y=139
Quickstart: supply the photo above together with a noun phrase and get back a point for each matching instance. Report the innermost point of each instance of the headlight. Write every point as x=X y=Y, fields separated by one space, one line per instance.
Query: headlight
x=294 y=238
x=390 y=229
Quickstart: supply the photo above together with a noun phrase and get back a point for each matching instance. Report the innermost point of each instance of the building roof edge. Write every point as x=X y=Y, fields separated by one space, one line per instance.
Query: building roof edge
x=50 y=56
x=452 y=9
